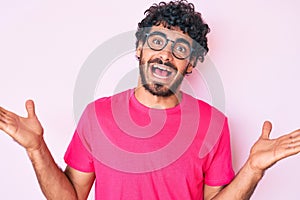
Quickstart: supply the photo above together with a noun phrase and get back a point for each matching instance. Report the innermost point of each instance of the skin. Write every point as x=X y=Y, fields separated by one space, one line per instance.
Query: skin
x=73 y=184
x=165 y=55
x=55 y=184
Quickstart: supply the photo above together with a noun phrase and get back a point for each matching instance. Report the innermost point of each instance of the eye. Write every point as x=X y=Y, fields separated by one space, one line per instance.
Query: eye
x=180 y=48
x=157 y=41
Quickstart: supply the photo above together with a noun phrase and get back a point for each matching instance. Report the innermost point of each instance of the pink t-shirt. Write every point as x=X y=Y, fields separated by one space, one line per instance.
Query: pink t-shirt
x=142 y=153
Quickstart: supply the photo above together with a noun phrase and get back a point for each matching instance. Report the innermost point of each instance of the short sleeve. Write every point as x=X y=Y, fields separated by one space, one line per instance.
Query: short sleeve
x=77 y=156
x=219 y=170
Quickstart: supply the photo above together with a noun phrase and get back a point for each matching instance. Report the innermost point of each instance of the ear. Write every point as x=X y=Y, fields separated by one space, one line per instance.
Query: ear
x=191 y=65
x=189 y=68
x=139 y=50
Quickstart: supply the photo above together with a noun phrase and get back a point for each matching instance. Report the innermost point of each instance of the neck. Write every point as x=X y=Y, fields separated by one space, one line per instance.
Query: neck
x=158 y=102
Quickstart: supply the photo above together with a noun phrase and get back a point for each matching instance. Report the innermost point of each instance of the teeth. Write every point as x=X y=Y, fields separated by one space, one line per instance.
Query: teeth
x=161 y=72
x=162 y=68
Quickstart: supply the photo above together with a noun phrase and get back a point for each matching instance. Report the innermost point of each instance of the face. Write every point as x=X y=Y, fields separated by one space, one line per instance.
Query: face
x=164 y=60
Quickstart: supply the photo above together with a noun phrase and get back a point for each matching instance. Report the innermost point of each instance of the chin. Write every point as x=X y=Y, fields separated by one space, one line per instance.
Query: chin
x=159 y=90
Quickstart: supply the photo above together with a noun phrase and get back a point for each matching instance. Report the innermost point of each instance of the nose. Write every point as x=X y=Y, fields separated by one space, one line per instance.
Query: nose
x=166 y=53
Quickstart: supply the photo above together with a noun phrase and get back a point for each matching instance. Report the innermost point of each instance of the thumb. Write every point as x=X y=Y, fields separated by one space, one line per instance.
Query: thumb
x=266 y=130
x=30 y=108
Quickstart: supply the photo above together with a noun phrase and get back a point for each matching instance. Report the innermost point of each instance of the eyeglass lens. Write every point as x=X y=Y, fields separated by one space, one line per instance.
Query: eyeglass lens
x=180 y=48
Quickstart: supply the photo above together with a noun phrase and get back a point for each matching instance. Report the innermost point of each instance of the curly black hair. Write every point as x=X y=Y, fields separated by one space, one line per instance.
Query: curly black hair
x=178 y=13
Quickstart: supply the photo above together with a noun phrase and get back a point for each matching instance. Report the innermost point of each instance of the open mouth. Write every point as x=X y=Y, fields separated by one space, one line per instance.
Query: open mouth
x=161 y=72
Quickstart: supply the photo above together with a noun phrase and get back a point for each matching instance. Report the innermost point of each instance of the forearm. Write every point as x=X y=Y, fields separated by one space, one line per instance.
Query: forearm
x=242 y=186
x=53 y=182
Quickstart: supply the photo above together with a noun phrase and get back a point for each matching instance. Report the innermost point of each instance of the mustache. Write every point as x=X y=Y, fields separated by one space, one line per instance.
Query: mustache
x=159 y=61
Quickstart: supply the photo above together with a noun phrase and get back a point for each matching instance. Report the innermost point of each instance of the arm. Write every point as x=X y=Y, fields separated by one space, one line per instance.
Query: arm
x=264 y=153
x=54 y=183
x=81 y=181
x=242 y=186
x=211 y=191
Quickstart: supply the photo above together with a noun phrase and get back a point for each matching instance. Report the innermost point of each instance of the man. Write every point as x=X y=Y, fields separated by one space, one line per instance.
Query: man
x=126 y=142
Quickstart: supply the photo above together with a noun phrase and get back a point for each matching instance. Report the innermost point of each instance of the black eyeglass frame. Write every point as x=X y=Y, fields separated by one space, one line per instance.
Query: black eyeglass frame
x=166 y=43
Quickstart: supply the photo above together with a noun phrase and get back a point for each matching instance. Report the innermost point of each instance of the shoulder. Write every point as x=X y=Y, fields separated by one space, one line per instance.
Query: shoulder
x=119 y=97
x=104 y=104
x=204 y=107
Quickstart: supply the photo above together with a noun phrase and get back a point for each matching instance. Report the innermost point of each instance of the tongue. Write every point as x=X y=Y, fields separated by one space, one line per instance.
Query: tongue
x=161 y=72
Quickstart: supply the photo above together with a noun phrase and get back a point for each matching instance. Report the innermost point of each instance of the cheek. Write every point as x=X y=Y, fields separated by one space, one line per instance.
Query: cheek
x=145 y=55
x=182 y=66
x=149 y=52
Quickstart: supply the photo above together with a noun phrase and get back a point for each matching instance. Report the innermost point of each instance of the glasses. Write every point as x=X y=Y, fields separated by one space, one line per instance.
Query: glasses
x=157 y=41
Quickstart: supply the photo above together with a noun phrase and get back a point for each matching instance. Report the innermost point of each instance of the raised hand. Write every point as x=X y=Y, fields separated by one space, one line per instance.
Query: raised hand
x=266 y=152
x=28 y=132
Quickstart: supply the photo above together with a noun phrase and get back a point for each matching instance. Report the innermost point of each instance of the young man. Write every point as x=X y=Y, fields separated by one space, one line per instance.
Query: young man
x=153 y=141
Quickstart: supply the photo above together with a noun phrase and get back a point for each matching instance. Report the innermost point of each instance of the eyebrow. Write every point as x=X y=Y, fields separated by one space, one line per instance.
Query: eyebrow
x=158 y=33
x=181 y=39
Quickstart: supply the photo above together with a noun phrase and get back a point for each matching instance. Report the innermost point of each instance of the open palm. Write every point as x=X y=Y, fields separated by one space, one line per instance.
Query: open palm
x=266 y=152
x=28 y=132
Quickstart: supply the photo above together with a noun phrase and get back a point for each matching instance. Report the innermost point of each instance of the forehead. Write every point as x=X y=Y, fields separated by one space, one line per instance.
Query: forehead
x=173 y=33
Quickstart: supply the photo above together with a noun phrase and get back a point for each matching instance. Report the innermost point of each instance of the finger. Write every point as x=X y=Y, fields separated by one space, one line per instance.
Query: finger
x=294 y=138
x=266 y=130
x=1 y=114
x=291 y=137
x=294 y=144
x=4 y=115
x=2 y=123
x=295 y=134
x=292 y=149
x=3 y=111
x=30 y=108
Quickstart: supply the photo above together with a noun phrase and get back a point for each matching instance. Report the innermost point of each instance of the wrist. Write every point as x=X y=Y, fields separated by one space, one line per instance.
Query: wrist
x=38 y=149
x=252 y=169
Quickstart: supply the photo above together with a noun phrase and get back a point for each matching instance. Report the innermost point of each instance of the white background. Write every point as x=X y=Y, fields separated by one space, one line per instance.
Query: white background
x=253 y=44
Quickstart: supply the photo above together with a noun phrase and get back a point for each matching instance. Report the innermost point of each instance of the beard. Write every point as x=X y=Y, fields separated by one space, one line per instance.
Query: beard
x=158 y=88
